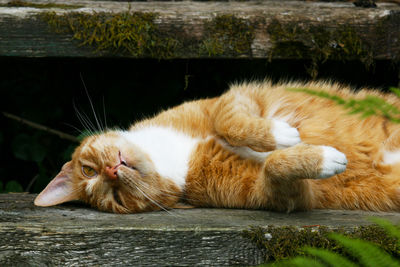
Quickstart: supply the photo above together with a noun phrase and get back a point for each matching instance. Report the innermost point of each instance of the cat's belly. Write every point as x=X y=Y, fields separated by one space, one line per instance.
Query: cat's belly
x=221 y=177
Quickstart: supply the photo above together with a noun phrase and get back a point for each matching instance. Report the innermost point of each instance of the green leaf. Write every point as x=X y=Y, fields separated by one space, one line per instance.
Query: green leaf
x=299 y=262
x=389 y=227
x=27 y=148
x=368 y=254
x=395 y=91
x=13 y=186
x=331 y=258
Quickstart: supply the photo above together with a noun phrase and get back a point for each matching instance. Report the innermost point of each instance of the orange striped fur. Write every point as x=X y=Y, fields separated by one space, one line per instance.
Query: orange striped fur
x=228 y=165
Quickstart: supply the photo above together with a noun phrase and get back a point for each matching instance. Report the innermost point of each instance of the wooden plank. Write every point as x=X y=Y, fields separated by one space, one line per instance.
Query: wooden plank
x=219 y=29
x=73 y=234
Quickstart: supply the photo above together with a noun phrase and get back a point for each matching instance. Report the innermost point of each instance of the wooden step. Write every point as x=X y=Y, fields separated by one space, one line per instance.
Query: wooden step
x=250 y=29
x=73 y=234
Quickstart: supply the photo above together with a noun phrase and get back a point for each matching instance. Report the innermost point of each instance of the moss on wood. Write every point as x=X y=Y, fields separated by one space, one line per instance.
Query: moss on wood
x=135 y=34
x=128 y=33
x=303 y=40
x=288 y=241
x=227 y=35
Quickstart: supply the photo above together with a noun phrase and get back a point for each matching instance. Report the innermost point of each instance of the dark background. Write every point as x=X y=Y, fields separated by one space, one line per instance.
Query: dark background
x=45 y=91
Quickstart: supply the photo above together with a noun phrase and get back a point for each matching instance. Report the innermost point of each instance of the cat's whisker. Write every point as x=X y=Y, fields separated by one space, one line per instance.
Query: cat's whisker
x=98 y=122
x=154 y=202
x=84 y=121
x=165 y=192
x=136 y=185
x=75 y=128
x=104 y=114
x=89 y=122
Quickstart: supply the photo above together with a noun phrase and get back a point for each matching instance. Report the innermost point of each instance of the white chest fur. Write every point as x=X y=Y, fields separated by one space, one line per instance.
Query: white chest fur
x=169 y=150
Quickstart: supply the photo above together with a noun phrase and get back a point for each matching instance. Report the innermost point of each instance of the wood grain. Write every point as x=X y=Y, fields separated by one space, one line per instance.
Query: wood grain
x=73 y=234
x=23 y=34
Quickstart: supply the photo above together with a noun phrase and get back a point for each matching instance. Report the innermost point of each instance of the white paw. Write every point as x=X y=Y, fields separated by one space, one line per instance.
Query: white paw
x=284 y=134
x=391 y=157
x=334 y=162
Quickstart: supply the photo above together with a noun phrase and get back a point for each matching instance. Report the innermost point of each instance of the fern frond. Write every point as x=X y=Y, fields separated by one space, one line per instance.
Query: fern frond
x=331 y=258
x=368 y=254
x=298 y=262
x=370 y=105
x=389 y=227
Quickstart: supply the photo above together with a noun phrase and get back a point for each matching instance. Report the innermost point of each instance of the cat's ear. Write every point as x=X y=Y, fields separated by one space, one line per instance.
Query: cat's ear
x=59 y=190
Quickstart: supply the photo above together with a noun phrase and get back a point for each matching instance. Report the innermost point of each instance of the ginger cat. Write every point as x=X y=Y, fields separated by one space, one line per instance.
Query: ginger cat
x=258 y=146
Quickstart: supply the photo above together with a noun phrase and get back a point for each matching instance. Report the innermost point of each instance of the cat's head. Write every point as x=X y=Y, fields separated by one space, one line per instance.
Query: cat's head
x=111 y=174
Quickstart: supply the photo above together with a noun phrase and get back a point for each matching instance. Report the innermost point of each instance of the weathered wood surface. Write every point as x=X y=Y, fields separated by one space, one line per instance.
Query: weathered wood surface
x=73 y=234
x=23 y=34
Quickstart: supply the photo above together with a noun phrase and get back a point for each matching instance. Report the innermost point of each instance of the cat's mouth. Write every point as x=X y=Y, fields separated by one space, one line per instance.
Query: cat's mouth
x=112 y=172
x=117 y=198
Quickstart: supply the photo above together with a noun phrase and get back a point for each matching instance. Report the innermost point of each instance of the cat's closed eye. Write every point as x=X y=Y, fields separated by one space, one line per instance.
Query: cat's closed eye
x=89 y=172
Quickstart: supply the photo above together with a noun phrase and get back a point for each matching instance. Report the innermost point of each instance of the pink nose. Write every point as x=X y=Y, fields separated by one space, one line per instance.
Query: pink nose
x=112 y=172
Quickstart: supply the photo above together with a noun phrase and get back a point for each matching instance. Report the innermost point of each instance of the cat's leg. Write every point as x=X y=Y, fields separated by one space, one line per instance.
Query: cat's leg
x=285 y=173
x=237 y=119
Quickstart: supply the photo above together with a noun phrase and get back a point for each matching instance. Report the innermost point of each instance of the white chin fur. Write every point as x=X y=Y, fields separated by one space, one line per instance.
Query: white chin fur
x=168 y=149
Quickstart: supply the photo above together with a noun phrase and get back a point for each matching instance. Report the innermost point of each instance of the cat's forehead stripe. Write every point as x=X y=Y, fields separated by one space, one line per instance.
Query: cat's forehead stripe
x=96 y=143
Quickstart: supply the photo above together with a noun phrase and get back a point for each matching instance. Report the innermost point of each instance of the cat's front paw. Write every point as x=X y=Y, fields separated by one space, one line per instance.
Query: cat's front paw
x=334 y=162
x=284 y=134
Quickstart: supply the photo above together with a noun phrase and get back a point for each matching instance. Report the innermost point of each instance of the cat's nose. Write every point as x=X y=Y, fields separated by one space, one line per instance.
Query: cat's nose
x=111 y=173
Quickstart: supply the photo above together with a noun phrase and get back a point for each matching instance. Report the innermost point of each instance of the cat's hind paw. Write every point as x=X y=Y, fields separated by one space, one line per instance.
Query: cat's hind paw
x=284 y=134
x=334 y=162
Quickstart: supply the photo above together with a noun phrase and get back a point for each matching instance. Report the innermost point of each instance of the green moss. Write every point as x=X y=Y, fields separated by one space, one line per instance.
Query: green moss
x=136 y=34
x=317 y=43
x=19 y=3
x=128 y=33
x=287 y=242
x=227 y=35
